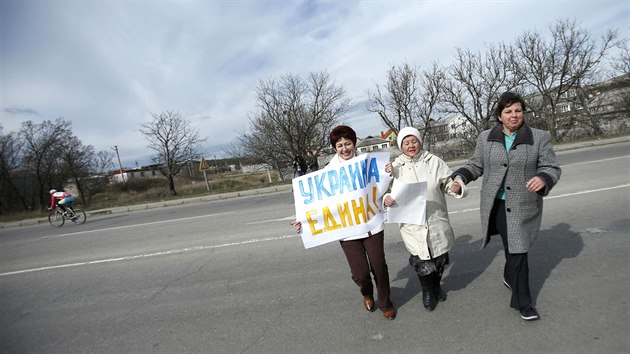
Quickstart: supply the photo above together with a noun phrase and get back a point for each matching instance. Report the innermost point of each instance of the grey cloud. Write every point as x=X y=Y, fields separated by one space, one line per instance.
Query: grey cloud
x=21 y=111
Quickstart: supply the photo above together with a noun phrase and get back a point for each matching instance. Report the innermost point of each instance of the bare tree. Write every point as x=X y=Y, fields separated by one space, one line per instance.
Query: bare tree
x=397 y=104
x=555 y=68
x=410 y=98
x=475 y=82
x=431 y=85
x=44 y=143
x=46 y=155
x=620 y=62
x=86 y=168
x=10 y=156
x=620 y=70
x=174 y=141
x=294 y=117
x=266 y=144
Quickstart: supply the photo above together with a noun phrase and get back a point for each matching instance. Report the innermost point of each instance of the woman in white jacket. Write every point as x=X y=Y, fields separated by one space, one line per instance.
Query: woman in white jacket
x=429 y=243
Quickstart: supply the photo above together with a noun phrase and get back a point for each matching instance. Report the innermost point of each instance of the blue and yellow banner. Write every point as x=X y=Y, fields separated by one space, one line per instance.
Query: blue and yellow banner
x=342 y=200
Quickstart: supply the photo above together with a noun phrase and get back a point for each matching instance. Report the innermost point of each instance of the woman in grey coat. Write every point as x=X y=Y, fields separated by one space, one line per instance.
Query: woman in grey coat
x=519 y=167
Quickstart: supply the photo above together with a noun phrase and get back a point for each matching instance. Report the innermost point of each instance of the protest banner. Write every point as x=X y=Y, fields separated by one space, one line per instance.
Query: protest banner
x=342 y=200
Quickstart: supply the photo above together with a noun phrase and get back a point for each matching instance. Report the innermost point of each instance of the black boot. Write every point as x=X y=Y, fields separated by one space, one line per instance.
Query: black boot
x=437 y=287
x=428 y=293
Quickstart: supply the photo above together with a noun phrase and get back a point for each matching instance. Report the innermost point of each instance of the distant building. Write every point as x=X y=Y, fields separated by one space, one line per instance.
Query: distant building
x=448 y=129
x=255 y=168
x=601 y=108
x=119 y=177
x=390 y=136
x=372 y=144
x=138 y=172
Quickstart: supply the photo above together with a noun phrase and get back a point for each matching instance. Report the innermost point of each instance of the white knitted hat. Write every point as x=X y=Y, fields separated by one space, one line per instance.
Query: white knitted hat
x=405 y=132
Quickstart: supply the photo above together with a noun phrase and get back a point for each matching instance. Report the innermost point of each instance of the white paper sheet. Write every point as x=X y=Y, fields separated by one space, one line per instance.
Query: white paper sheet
x=410 y=207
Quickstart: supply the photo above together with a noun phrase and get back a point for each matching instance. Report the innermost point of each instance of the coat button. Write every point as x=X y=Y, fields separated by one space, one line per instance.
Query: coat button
x=508 y=188
x=504 y=165
x=508 y=210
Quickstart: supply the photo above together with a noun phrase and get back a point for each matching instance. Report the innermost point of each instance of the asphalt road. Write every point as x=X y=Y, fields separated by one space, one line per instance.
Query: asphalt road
x=230 y=276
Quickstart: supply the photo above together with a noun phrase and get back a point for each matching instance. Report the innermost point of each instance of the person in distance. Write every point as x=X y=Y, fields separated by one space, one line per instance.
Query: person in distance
x=62 y=199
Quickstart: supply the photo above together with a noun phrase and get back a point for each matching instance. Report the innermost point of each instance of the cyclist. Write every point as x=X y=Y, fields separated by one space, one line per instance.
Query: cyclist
x=62 y=199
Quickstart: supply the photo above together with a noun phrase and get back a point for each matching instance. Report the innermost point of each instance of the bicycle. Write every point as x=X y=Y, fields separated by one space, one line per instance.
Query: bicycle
x=58 y=217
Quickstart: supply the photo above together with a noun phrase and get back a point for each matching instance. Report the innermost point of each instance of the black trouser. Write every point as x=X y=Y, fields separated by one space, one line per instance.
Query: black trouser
x=516 y=270
x=365 y=255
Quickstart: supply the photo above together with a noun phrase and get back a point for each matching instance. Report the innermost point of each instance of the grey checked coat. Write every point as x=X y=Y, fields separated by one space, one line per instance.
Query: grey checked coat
x=531 y=155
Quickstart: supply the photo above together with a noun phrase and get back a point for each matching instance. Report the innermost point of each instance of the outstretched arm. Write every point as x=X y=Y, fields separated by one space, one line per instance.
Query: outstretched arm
x=297 y=226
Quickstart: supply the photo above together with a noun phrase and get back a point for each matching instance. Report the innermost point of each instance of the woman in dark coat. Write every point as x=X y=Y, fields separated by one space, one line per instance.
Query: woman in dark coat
x=519 y=167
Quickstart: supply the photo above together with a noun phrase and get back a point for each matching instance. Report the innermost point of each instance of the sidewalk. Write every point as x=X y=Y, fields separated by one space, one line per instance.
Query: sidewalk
x=266 y=190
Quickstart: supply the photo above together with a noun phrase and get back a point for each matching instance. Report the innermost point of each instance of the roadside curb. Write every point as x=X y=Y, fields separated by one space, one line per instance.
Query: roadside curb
x=273 y=189
x=161 y=204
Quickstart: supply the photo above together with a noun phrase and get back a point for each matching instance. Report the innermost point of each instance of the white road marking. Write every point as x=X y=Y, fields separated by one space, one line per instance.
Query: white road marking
x=136 y=225
x=288 y=218
x=595 y=161
x=163 y=253
x=559 y=196
x=588 y=191
x=198 y=248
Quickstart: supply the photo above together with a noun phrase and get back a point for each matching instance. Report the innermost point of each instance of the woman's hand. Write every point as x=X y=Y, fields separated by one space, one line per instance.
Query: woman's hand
x=535 y=184
x=456 y=186
x=389 y=168
x=297 y=226
x=389 y=201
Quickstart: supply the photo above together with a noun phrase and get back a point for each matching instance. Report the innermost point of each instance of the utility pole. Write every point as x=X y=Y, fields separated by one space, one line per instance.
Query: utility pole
x=119 y=164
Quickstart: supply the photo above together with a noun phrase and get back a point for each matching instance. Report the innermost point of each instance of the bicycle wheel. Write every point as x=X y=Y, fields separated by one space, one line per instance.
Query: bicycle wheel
x=79 y=216
x=56 y=219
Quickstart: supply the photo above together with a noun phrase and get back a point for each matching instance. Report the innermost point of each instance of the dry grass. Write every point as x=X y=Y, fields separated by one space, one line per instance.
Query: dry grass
x=148 y=190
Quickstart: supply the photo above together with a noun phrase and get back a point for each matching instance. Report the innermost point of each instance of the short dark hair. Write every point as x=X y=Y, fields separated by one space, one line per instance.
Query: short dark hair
x=507 y=99
x=342 y=131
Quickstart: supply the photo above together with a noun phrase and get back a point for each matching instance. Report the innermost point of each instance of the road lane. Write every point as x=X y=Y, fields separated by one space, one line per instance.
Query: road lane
x=232 y=277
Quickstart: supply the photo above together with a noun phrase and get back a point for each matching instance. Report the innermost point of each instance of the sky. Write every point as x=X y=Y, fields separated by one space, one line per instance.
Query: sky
x=106 y=66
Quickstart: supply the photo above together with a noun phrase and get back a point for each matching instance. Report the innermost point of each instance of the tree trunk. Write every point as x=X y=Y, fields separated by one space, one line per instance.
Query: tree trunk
x=171 y=185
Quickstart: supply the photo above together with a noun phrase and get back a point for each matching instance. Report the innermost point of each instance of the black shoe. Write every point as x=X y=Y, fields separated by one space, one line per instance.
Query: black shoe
x=428 y=291
x=440 y=295
x=507 y=285
x=437 y=288
x=530 y=314
x=428 y=300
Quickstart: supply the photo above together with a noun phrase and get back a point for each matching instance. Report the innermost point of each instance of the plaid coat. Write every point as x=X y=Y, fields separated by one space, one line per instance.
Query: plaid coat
x=531 y=155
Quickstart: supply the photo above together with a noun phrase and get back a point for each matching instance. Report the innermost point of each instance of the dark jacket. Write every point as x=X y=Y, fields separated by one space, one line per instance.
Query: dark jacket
x=531 y=155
